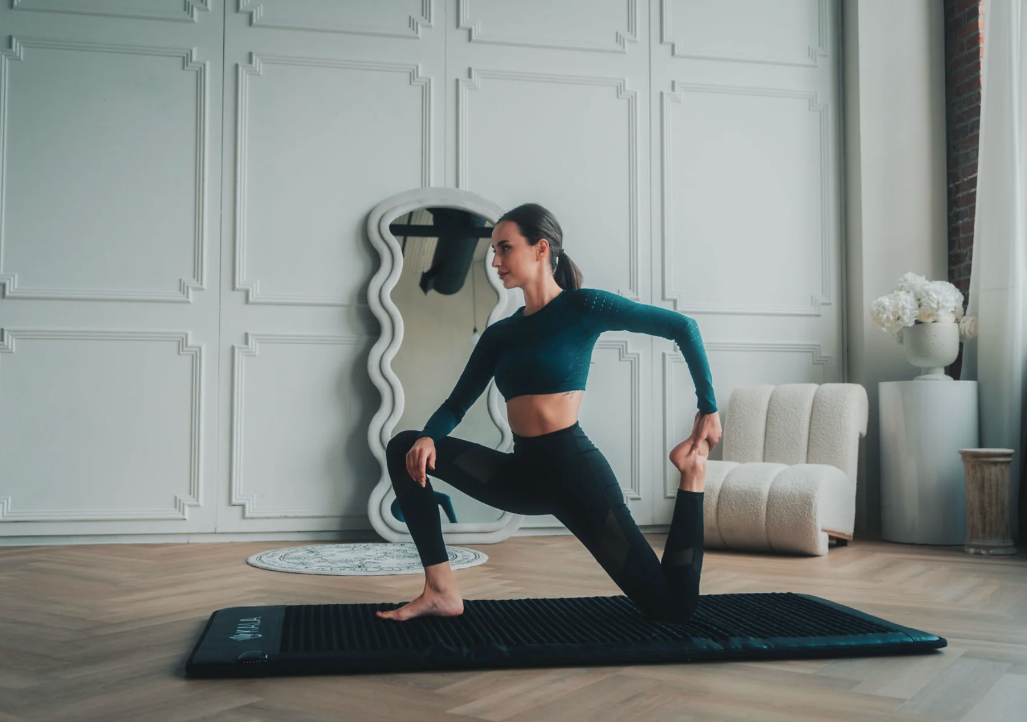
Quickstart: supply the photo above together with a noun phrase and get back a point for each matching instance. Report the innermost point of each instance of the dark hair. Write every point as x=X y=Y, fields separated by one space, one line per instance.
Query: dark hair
x=536 y=223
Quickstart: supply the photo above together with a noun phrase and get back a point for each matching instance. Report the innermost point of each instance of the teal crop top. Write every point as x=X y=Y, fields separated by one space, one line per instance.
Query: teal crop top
x=550 y=351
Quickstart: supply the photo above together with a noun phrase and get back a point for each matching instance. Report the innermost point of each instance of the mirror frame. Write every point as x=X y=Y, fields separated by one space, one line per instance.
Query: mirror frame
x=379 y=362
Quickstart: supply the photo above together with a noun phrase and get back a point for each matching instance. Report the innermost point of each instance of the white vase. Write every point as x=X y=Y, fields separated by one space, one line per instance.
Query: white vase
x=932 y=347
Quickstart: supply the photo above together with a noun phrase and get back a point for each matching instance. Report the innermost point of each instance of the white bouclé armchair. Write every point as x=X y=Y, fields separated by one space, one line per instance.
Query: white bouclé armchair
x=787 y=481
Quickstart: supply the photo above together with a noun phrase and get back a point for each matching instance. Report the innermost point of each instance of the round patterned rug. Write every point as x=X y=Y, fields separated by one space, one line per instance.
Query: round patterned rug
x=358 y=559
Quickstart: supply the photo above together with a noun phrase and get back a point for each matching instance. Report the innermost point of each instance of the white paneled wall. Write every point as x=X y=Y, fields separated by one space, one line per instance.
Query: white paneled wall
x=110 y=120
x=184 y=268
x=329 y=109
x=746 y=214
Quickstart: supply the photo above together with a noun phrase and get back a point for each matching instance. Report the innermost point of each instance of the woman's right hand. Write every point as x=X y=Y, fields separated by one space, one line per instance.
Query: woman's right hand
x=422 y=452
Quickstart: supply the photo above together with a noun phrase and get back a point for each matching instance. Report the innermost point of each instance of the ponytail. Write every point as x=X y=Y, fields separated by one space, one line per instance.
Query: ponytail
x=567 y=274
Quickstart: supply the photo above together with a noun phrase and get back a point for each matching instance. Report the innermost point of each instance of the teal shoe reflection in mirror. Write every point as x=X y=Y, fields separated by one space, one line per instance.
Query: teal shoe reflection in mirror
x=441 y=499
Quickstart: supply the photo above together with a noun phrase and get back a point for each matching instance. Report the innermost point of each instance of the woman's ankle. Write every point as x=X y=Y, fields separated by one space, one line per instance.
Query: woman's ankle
x=439 y=578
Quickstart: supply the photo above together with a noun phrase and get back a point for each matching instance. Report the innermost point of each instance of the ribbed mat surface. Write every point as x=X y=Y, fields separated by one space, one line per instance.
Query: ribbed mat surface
x=579 y=620
x=543 y=632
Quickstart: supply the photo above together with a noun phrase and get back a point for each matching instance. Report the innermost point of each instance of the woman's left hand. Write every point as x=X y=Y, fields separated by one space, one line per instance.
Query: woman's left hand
x=706 y=427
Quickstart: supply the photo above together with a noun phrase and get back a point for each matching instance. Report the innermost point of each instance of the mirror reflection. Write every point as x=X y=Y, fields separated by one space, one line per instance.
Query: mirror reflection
x=445 y=299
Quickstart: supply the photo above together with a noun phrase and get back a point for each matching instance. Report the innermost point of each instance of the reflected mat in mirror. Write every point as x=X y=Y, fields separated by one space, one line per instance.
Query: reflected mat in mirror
x=558 y=632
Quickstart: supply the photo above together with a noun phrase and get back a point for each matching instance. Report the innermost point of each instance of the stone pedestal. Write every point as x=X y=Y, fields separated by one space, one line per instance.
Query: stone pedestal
x=923 y=423
x=987 y=501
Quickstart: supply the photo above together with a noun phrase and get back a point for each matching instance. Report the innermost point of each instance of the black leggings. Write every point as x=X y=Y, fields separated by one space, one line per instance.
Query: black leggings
x=564 y=474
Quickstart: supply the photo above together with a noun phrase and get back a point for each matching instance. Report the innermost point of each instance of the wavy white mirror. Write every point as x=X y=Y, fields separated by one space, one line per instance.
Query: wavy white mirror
x=435 y=285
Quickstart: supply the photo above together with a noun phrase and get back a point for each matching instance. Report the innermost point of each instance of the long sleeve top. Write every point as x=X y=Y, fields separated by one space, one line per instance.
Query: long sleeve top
x=550 y=351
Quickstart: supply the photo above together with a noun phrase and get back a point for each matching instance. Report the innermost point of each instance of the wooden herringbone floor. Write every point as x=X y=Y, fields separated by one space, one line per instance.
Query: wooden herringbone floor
x=100 y=633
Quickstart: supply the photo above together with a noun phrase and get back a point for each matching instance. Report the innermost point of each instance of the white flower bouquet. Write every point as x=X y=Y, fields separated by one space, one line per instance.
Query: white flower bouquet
x=917 y=300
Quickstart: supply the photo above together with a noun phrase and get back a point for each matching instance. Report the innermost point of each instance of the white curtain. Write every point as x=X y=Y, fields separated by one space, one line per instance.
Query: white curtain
x=997 y=358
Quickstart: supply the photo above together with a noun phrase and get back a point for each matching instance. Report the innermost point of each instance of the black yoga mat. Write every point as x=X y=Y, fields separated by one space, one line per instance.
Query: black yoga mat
x=562 y=632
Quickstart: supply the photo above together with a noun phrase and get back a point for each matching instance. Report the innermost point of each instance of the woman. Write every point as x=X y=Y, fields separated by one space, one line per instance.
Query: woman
x=540 y=358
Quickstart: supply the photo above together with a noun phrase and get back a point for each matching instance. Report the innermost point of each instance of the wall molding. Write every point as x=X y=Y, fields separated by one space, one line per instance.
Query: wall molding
x=180 y=512
x=186 y=286
x=671 y=477
x=625 y=354
x=466 y=85
x=239 y=496
x=677 y=296
x=189 y=14
x=813 y=53
x=256 y=68
x=617 y=45
x=255 y=8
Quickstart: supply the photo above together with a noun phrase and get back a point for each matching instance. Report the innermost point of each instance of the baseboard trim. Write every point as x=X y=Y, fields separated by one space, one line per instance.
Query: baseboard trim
x=51 y=540
x=357 y=535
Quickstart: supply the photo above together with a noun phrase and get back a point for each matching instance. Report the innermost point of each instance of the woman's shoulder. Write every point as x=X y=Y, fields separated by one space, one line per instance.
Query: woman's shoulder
x=589 y=298
x=500 y=323
x=583 y=294
x=499 y=328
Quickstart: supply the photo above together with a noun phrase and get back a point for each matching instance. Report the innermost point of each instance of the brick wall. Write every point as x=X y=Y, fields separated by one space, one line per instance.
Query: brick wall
x=964 y=43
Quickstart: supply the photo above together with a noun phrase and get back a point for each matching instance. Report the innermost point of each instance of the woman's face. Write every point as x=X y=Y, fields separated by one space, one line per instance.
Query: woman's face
x=515 y=259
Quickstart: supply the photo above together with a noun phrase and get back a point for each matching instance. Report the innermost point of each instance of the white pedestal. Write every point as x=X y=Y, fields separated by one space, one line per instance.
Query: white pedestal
x=923 y=491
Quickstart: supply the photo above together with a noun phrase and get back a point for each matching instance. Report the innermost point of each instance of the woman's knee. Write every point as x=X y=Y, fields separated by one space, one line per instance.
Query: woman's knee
x=395 y=454
x=401 y=443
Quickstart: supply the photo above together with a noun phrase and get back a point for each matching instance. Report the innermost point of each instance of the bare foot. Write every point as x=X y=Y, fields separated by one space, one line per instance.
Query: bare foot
x=691 y=465
x=685 y=461
x=430 y=604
